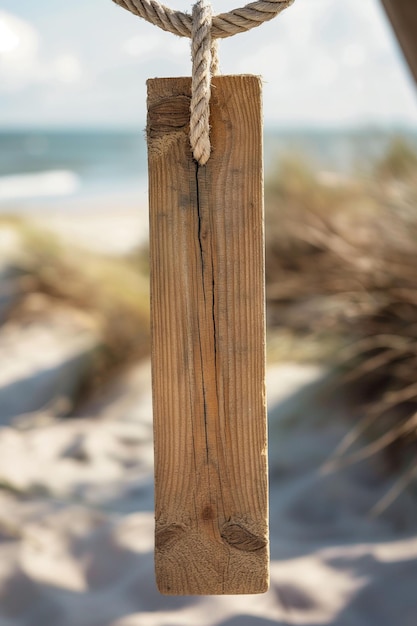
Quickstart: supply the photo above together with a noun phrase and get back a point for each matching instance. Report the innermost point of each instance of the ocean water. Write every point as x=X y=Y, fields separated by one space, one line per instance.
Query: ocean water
x=39 y=167
x=344 y=151
x=67 y=168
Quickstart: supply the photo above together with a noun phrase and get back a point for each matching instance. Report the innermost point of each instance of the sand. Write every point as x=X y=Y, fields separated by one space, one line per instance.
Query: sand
x=76 y=505
x=111 y=231
x=76 y=521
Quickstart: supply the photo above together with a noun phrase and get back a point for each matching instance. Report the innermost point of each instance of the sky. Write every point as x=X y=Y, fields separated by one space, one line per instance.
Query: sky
x=85 y=63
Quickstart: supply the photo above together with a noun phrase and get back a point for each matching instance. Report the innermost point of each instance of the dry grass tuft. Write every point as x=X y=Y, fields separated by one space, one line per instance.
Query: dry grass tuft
x=113 y=292
x=342 y=269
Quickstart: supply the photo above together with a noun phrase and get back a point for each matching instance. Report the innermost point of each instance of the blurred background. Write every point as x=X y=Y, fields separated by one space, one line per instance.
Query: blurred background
x=76 y=484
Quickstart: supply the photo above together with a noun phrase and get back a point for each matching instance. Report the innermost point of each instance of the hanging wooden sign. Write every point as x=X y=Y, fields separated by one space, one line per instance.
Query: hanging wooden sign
x=208 y=327
x=208 y=332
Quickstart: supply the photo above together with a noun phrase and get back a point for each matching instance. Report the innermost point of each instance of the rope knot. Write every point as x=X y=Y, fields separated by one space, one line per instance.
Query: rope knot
x=205 y=64
x=203 y=28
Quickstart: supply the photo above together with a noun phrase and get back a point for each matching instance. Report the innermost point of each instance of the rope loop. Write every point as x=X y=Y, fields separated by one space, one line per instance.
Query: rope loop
x=205 y=63
x=224 y=24
x=204 y=30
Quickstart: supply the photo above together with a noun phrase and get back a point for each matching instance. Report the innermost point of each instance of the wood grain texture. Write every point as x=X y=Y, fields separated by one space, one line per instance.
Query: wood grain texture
x=403 y=16
x=208 y=336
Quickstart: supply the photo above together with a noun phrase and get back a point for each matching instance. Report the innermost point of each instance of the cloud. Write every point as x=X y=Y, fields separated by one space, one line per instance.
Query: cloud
x=155 y=45
x=65 y=68
x=329 y=62
x=323 y=62
x=21 y=60
x=19 y=45
x=9 y=36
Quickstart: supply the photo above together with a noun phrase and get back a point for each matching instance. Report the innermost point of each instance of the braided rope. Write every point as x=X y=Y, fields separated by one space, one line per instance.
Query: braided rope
x=205 y=64
x=224 y=24
x=204 y=30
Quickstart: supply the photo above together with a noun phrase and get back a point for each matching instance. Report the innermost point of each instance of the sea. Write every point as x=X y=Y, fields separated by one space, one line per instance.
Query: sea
x=71 y=168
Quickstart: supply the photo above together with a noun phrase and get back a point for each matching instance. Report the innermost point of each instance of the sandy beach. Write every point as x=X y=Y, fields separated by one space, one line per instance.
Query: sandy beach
x=110 y=231
x=76 y=428
x=76 y=498
x=76 y=523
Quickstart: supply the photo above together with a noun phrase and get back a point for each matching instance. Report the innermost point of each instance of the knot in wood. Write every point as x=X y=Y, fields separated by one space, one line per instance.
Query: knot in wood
x=241 y=538
x=167 y=536
x=208 y=513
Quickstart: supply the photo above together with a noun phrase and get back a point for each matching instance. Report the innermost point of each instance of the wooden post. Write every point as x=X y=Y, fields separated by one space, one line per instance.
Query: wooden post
x=403 y=16
x=208 y=330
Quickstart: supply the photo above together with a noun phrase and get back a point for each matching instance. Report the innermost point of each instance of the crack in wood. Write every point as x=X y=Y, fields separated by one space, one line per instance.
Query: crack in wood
x=201 y=248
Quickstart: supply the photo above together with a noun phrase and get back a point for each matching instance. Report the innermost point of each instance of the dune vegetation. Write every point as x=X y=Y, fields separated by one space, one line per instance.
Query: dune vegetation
x=341 y=272
x=111 y=292
x=341 y=267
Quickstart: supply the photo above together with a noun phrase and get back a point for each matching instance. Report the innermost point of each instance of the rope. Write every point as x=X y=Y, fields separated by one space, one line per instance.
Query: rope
x=204 y=29
x=224 y=25
x=205 y=64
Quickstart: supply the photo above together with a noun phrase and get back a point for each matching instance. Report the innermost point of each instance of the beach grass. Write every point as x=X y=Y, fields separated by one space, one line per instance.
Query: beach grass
x=341 y=261
x=341 y=258
x=112 y=291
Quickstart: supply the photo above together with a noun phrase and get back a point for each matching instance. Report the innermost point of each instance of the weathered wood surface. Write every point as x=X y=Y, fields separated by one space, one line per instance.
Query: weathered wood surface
x=208 y=328
x=403 y=16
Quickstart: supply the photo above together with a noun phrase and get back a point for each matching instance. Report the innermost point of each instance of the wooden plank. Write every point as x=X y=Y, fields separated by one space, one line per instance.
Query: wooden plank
x=403 y=16
x=208 y=332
